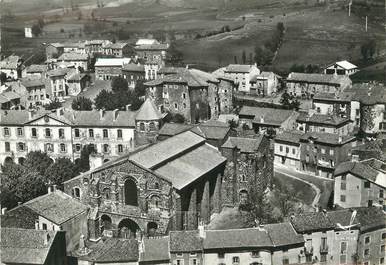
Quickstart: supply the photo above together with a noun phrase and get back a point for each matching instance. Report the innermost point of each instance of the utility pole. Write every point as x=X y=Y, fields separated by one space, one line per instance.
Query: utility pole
x=366 y=23
x=349 y=8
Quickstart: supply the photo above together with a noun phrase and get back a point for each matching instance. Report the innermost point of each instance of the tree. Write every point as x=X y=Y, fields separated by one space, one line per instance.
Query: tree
x=174 y=56
x=119 y=84
x=280 y=27
x=140 y=89
x=105 y=100
x=63 y=169
x=81 y=103
x=244 y=57
x=53 y=105
x=136 y=102
x=289 y=102
x=235 y=59
x=83 y=163
x=38 y=161
x=178 y=118
x=36 y=30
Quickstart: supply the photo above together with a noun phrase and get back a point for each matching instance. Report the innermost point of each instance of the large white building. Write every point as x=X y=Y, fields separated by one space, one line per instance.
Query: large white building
x=64 y=133
x=242 y=75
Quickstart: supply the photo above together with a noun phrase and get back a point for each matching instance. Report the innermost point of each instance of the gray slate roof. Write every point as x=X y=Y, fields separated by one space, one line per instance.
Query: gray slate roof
x=246 y=145
x=318 y=78
x=271 y=116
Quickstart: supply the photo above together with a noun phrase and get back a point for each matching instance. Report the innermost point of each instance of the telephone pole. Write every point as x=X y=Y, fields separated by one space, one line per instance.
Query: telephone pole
x=349 y=8
x=366 y=23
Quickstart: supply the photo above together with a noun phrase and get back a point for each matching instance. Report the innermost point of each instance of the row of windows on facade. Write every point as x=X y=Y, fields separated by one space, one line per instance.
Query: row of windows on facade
x=48 y=132
x=48 y=147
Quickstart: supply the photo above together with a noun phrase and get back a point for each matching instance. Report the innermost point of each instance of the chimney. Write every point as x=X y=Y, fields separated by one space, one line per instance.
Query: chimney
x=46 y=239
x=128 y=106
x=261 y=119
x=355 y=158
x=82 y=244
x=59 y=112
x=96 y=161
x=115 y=114
x=36 y=225
x=54 y=188
x=261 y=227
x=30 y=114
x=201 y=230
x=19 y=203
x=3 y=210
x=340 y=139
x=101 y=113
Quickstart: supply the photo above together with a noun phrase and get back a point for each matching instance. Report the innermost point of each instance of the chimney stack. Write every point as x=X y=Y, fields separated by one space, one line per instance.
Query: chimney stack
x=262 y=119
x=101 y=113
x=3 y=210
x=36 y=225
x=30 y=114
x=59 y=112
x=340 y=139
x=115 y=114
x=46 y=239
x=201 y=230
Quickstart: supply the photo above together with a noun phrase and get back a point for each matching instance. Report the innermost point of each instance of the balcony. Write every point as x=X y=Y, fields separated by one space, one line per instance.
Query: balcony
x=324 y=249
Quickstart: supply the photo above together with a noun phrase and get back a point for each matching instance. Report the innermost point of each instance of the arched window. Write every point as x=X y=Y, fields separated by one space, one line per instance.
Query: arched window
x=120 y=148
x=105 y=222
x=152 y=126
x=105 y=133
x=155 y=202
x=106 y=193
x=141 y=126
x=152 y=228
x=63 y=148
x=61 y=133
x=76 y=192
x=156 y=185
x=243 y=197
x=131 y=197
x=48 y=132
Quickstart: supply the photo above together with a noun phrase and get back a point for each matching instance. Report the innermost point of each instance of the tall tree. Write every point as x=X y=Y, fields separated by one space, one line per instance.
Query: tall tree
x=38 y=161
x=244 y=57
x=81 y=103
x=61 y=170
x=119 y=84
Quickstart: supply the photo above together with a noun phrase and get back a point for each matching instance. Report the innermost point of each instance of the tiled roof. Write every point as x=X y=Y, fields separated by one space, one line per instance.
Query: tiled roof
x=73 y=56
x=169 y=70
x=131 y=67
x=190 y=166
x=154 y=47
x=9 y=95
x=318 y=78
x=94 y=89
x=191 y=77
x=246 y=145
x=345 y=65
x=113 y=250
x=316 y=118
x=36 y=68
x=361 y=170
x=327 y=138
x=11 y=62
x=148 y=112
x=211 y=131
x=312 y=221
x=270 y=116
x=344 y=96
x=185 y=241
x=171 y=129
x=155 y=249
x=25 y=246
x=93 y=118
x=369 y=94
x=58 y=207
x=32 y=82
x=19 y=217
x=237 y=238
x=113 y=62
x=283 y=234
x=367 y=218
x=238 y=68
x=58 y=72
x=289 y=137
x=117 y=45
x=166 y=150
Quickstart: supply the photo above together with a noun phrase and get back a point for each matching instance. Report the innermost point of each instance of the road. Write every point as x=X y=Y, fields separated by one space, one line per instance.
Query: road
x=321 y=186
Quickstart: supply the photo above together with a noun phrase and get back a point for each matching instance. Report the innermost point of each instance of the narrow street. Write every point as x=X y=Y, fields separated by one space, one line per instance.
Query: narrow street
x=322 y=187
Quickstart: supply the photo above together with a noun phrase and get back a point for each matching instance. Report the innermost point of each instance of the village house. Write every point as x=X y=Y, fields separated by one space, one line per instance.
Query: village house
x=107 y=68
x=189 y=92
x=58 y=84
x=94 y=47
x=267 y=120
x=315 y=122
x=265 y=84
x=76 y=82
x=341 y=68
x=368 y=149
x=148 y=118
x=118 y=49
x=77 y=60
x=54 y=50
x=249 y=168
x=133 y=73
x=10 y=100
x=28 y=246
x=151 y=69
x=360 y=184
x=320 y=153
x=64 y=133
x=372 y=101
x=34 y=91
x=242 y=75
x=267 y=245
x=287 y=149
x=155 y=52
x=338 y=104
x=36 y=70
x=136 y=193
x=74 y=47
x=307 y=85
x=12 y=66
